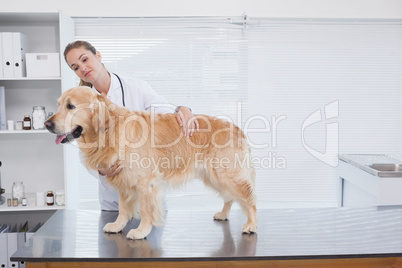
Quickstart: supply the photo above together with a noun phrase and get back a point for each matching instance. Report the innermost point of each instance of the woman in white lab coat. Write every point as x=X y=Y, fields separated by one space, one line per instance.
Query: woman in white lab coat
x=134 y=94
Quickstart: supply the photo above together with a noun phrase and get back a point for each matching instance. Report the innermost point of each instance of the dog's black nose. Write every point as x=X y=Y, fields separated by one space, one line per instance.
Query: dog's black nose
x=49 y=125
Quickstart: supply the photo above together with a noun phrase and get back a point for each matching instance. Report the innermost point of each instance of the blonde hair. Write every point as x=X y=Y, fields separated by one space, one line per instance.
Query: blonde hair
x=78 y=44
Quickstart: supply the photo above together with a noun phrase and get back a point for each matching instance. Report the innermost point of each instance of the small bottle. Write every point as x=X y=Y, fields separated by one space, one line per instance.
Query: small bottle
x=60 y=198
x=18 y=125
x=27 y=122
x=24 y=202
x=50 y=198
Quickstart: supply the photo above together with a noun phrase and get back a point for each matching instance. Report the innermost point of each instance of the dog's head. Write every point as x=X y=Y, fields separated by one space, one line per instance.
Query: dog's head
x=81 y=110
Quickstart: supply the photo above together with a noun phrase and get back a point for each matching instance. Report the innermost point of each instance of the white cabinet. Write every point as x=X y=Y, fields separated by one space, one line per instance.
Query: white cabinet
x=361 y=185
x=31 y=156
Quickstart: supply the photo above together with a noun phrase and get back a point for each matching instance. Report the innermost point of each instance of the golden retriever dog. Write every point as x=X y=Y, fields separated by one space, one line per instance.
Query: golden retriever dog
x=155 y=155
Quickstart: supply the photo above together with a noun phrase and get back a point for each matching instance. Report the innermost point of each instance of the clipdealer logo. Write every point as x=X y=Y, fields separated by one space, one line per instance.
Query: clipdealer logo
x=330 y=113
x=270 y=130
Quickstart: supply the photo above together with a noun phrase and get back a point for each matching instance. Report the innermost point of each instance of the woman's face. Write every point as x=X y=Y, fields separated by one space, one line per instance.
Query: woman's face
x=84 y=63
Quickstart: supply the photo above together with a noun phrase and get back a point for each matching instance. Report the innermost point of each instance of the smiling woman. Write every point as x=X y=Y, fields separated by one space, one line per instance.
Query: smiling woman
x=81 y=52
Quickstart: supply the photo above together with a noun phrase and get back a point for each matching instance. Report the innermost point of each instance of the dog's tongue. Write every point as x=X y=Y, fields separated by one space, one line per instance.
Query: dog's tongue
x=59 y=138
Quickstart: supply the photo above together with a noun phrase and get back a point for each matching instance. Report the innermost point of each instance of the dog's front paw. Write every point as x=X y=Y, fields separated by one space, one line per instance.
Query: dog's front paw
x=135 y=234
x=249 y=228
x=112 y=228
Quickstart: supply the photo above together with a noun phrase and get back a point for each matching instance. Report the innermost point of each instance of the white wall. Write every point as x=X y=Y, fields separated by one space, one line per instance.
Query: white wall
x=256 y=8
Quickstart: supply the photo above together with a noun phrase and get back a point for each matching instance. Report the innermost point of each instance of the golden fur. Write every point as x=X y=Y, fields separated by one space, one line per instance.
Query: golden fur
x=154 y=155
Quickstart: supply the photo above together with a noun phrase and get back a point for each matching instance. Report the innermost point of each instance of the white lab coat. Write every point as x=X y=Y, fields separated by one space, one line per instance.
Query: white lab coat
x=138 y=96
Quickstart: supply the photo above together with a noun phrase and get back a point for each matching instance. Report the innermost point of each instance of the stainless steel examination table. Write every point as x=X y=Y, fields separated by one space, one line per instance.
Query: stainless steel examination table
x=192 y=238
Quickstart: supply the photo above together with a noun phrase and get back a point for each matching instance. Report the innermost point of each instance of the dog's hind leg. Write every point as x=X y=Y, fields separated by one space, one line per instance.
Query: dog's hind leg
x=125 y=215
x=248 y=205
x=236 y=185
x=223 y=215
x=243 y=193
x=251 y=225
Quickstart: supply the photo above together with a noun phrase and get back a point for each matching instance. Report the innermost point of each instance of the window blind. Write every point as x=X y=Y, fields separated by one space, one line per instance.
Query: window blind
x=196 y=62
x=300 y=67
x=270 y=76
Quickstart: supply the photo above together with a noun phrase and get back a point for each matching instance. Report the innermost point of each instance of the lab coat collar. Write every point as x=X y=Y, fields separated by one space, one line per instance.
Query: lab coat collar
x=114 y=85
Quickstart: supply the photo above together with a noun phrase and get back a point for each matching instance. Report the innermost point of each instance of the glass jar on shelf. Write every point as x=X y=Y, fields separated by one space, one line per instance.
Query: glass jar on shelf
x=38 y=117
x=18 y=191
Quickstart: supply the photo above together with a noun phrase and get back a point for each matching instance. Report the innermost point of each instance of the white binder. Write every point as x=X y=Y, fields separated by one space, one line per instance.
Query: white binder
x=4 y=247
x=1 y=59
x=21 y=238
x=28 y=235
x=19 y=50
x=3 y=124
x=7 y=49
x=12 y=246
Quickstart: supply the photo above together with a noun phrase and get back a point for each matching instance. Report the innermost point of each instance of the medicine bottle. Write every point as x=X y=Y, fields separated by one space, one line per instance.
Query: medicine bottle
x=50 y=198
x=60 y=198
x=27 y=122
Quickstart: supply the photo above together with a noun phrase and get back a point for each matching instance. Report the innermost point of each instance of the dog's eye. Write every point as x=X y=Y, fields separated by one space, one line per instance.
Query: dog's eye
x=70 y=106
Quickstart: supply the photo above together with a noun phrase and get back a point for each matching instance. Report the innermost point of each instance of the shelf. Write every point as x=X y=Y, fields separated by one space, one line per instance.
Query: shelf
x=24 y=131
x=30 y=207
x=4 y=208
x=30 y=79
x=29 y=17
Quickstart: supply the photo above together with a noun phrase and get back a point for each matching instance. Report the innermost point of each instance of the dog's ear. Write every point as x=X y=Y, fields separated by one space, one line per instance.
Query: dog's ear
x=100 y=115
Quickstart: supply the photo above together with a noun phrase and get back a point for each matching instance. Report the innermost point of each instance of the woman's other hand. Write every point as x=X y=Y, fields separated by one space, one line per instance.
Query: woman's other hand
x=110 y=172
x=187 y=121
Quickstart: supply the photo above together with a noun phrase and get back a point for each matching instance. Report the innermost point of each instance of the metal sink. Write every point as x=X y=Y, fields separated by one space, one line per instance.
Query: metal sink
x=387 y=169
x=380 y=165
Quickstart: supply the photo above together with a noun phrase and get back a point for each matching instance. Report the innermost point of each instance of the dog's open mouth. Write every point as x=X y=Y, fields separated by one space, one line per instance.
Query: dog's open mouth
x=75 y=133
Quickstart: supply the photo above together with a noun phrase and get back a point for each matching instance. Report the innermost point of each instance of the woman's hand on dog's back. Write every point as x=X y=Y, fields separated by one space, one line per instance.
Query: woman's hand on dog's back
x=187 y=121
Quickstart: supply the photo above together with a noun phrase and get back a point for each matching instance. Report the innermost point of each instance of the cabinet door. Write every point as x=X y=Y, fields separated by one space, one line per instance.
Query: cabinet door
x=67 y=32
